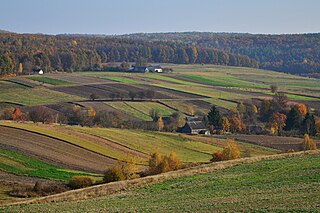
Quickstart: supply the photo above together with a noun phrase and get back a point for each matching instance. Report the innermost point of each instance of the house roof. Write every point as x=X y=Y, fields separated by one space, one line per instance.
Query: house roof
x=196 y=124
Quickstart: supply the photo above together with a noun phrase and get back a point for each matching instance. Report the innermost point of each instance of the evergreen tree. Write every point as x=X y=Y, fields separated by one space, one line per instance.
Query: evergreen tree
x=309 y=125
x=214 y=117
x=293 y=121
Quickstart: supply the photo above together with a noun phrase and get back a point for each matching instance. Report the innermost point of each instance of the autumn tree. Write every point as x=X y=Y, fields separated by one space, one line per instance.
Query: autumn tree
x=123 y=170
x=301 y=109
x=17 y=115
x=265 y=110
x=41 y=114
x=308 y=143
x=160 y=164
x=225 y=124
x=230 y=151
x=241 y=108
x=20 y=69
x=279 y=102
x=277 y=122
x=160 y=124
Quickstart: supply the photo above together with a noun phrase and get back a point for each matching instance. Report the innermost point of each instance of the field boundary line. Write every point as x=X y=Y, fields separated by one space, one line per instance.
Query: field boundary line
x=62 y=140
x=115 y=187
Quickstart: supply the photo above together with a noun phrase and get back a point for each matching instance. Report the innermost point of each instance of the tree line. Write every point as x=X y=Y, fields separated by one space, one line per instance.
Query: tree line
x=22 y=53
x=296 y=53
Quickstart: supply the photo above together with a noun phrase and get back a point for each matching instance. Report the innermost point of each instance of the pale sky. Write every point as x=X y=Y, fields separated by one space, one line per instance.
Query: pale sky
x=131 y=16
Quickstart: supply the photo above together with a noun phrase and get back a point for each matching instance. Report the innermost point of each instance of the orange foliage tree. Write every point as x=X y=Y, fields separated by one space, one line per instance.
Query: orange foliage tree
x=302 y=109
x=225 y=124
x=17 y=115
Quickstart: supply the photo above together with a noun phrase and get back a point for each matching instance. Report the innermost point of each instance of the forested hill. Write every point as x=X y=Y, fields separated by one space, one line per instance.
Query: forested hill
x=296 y=53
x=25 y=52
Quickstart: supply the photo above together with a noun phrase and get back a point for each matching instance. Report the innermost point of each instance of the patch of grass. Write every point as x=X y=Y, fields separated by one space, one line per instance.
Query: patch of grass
x=22 y=165
x=55 y=82
x=280 y=185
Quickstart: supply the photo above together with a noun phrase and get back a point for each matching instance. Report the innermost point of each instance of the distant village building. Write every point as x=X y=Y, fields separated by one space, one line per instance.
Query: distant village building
x=139 y=69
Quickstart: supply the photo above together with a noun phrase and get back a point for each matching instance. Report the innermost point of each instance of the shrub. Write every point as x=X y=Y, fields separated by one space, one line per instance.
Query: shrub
x=159 y=164
x=121 y=171
x=308 y=143
x=217 y=156
x=230 y=151
x=39 y=189
x=78 y=182
x=113 y=174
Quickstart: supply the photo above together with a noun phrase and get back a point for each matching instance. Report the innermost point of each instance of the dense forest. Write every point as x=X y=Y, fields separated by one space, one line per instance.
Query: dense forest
x=22 y=53
x=296 y=53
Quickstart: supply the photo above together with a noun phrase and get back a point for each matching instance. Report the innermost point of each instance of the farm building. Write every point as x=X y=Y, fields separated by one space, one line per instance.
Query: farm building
x=194 y=127
x=155 y=68
x=39 y=71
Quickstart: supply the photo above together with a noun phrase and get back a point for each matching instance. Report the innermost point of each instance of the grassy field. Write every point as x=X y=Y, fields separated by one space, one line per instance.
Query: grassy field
x=36 y=96
x=18 y=164
x=51 y=81
x=288 y=184
x=147 y=142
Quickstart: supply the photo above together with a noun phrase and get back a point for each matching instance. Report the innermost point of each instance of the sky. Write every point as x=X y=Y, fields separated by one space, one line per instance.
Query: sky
x=147 y=16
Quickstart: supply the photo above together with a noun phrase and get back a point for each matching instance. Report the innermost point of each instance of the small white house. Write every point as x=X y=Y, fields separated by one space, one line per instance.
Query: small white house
x=40 y=72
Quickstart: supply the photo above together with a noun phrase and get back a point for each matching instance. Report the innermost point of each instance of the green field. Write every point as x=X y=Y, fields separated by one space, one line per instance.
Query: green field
x=36 y=96
x=22 y=165
x=51 y=81
x=280 y=185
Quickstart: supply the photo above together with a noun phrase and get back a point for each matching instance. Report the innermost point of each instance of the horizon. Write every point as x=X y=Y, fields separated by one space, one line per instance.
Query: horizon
x=107 y=17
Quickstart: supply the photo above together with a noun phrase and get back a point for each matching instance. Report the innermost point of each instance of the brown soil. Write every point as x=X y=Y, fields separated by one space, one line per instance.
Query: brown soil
x=276 y=142
x=53 y=151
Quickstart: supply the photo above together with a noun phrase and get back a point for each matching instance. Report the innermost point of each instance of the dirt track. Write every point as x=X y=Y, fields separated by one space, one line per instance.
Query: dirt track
x=53 y=151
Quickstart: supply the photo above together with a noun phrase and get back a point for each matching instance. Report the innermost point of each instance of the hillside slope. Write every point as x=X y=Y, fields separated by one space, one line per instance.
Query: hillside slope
x=275 y=183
